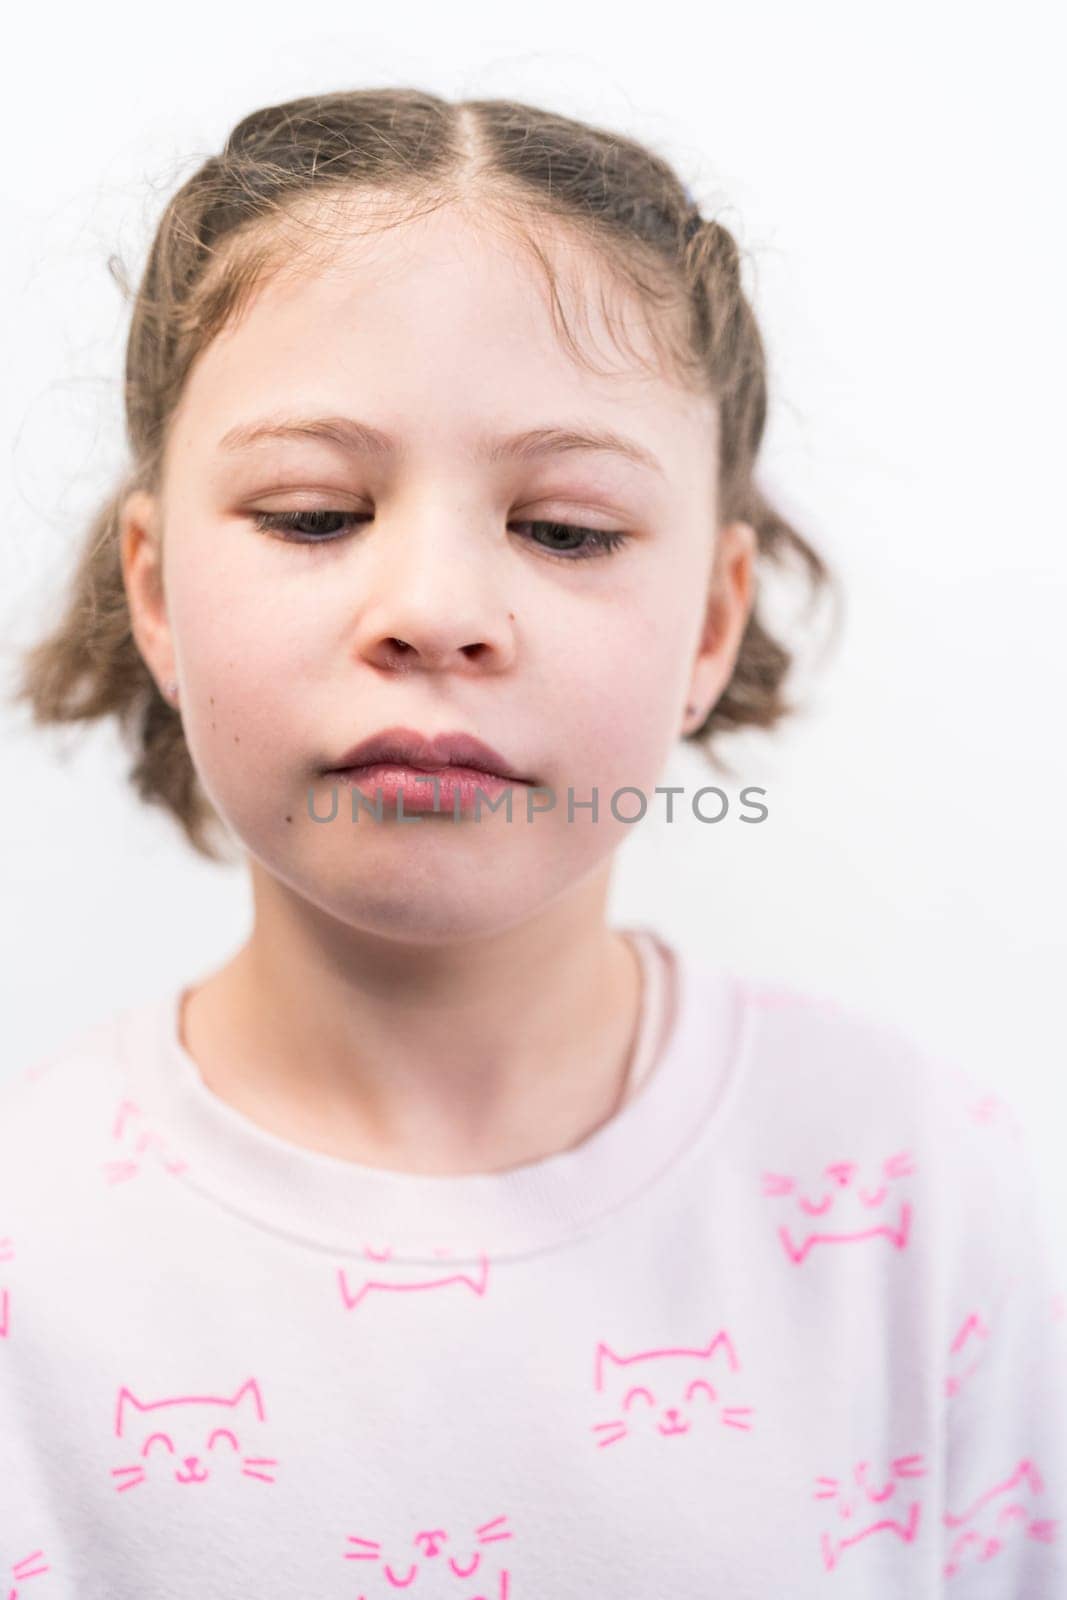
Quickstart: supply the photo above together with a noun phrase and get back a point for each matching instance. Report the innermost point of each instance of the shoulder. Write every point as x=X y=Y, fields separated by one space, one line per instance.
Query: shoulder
x=818 y=1048
x=55 y=1106
x=849 y=1100
x=867 y=1061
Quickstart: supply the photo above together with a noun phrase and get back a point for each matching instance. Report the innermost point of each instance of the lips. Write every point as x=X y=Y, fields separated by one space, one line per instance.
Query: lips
x=427 y=753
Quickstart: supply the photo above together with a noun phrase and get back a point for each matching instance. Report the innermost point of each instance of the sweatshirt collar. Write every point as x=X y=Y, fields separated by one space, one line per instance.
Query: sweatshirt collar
x=354 y=1210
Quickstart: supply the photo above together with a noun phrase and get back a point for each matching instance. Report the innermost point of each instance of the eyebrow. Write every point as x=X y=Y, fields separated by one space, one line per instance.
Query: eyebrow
x=360 y=438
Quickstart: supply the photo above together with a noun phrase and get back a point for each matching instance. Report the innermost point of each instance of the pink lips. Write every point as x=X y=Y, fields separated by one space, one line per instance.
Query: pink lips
x=406 y=747
x=459 y=790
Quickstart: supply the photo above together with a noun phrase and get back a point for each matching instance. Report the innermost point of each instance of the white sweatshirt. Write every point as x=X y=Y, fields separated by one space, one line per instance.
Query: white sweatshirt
x=788 y=1325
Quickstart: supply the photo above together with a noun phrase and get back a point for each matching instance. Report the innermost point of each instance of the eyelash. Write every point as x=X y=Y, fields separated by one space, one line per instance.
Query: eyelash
x=604 y=541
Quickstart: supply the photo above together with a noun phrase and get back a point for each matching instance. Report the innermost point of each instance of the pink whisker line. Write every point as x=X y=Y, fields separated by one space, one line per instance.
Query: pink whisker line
x=131 y=1485
x=825 y=1494
x=910 y=1466
x=372 y=1544
x=133 y=1467
x=20 y=1571
x=263 y=1461
x=119 y=1171
x=776 y=1185
x=491 y=1538
x=492 y=1523
x=902 y=1165
x=620 y=1435
x=264 y=1477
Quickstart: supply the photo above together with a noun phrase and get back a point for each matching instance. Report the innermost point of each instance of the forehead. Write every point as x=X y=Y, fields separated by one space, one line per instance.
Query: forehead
x=444 y=325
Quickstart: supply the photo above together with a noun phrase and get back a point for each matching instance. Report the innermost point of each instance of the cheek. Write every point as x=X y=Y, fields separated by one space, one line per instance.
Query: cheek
x=624 y=705
x=240 y=627
x=239 y=672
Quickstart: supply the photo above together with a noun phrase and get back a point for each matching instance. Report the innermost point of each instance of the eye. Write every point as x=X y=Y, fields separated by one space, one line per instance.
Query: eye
x=602 y=541
x=307 y=527
x=307 y=524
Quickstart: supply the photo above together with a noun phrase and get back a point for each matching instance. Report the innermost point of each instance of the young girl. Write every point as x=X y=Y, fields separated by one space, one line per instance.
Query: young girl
x=446 y=1238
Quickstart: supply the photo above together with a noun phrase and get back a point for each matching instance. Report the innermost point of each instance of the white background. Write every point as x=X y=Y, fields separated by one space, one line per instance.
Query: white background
x=891 y=175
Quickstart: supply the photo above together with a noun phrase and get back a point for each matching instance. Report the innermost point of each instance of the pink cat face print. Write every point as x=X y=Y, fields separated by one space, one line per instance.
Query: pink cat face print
x=843 y=1204
x=668 y=1392
x=32 y=1566
x=191 y=1440
x=437 y=1563
x=866 y=1505
x=1009 y=1508
x=134 y=1142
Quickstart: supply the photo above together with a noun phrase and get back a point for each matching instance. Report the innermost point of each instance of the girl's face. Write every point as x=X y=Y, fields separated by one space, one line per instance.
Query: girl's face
x=573 y=660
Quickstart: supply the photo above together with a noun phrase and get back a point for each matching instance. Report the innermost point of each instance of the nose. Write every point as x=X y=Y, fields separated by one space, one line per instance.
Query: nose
x=433 y=598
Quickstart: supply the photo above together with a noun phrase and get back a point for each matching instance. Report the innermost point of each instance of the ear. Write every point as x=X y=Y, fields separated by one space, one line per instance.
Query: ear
x=731 y=592
x=141 y=552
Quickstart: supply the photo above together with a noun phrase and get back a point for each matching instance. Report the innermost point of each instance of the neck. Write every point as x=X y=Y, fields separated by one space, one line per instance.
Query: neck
x=472 y=1056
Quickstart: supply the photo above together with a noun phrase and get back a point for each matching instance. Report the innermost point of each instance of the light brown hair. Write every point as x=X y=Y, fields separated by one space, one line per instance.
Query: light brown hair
x=258 y=208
